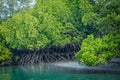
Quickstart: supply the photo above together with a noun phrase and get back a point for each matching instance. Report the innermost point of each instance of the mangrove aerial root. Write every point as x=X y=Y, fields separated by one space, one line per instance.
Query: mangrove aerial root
x=49 y=54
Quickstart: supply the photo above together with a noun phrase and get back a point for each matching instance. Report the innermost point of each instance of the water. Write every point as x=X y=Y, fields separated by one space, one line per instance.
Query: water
x=51 y=72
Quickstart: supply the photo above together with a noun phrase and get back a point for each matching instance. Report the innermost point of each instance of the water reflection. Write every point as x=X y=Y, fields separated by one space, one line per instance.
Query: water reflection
x=50 y=72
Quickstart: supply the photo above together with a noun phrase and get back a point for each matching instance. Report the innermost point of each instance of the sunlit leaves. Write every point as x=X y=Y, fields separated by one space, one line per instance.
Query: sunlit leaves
x=56 y=14
x=90 y=19
x=5 y=56
x=85 y=6
x=23 y=27
x=90 y=51
x=46 y=24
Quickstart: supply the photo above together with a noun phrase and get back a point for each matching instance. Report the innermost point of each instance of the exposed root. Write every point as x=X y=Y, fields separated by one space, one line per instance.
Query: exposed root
x=49 y=54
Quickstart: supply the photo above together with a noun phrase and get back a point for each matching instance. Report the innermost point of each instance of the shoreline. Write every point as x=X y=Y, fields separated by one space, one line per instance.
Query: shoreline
x=83 y=68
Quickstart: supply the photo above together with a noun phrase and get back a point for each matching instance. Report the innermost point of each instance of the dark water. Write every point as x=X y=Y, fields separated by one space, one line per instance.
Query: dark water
x=50 y=72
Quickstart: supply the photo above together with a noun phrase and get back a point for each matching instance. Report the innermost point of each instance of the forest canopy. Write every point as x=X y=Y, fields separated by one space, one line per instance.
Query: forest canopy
x=93 y=23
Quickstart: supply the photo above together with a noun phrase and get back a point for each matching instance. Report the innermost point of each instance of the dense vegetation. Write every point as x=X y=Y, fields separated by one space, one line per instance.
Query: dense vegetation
x=93 y=23
x=104 y=43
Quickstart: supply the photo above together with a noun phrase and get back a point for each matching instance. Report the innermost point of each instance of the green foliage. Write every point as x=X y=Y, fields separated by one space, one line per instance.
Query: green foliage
x=85 y=6
x=90 y=19
x=5 y=56
x=17 y=58
x=90 y=50
x=97 y=51
x=22 y=31
x=59 y=22
x=103 y=16
x=103 y=20
x=40 y=26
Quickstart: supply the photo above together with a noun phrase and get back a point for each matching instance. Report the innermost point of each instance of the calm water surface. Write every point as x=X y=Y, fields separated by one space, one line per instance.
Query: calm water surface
x=51 y=72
